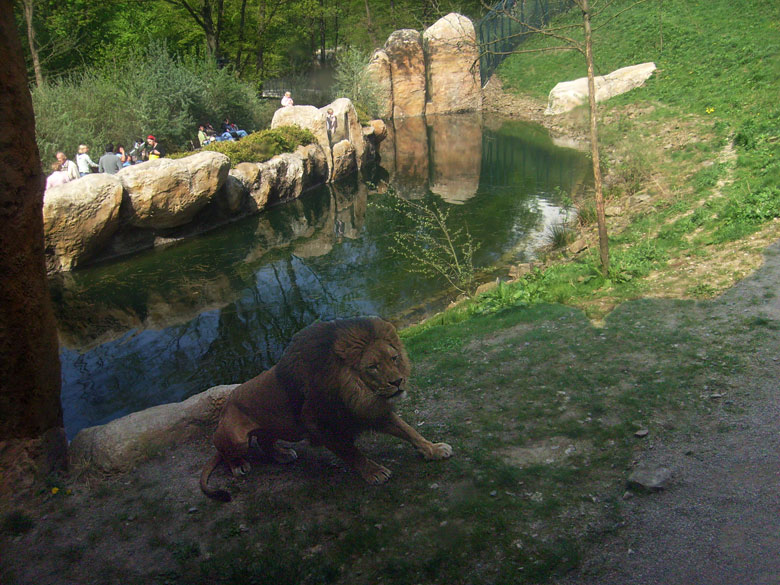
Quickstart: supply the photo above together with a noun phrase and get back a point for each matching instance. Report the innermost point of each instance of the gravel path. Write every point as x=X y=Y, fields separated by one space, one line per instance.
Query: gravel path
x=718 y=522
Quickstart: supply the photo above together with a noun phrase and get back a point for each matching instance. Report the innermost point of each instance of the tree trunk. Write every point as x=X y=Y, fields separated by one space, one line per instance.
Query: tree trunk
x=370 y=26
x=322 y=32
x=241 y=25
x=594 y=142
x=32 y=441
x=29 y=9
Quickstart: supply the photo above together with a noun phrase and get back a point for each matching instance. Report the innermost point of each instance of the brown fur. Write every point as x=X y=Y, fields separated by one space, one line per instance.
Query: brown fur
x=335 y=380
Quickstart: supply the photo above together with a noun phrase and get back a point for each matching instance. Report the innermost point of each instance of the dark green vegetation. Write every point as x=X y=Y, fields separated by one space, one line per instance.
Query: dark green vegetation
x=668 y=142
x=262 y=145
x=163 y=66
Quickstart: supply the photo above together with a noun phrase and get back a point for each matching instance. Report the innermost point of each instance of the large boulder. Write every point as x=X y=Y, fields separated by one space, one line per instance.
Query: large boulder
x=567 y=95
x=407 y=69
x=307 y=117
x=452 y=54
x=165 y=193
x=344 y=159
x=315 y=165
x=380 y=81
x=123 y=443
x=348 y=127
x=79 y=217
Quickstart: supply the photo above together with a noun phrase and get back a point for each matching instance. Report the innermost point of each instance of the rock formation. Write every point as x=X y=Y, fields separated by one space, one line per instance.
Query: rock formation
x=378 y=76
x=165 y=193
x=452 y=57
x=567 y=95
x=436 y=72
x=102 y=216
x=79 y=217
x=407 y=70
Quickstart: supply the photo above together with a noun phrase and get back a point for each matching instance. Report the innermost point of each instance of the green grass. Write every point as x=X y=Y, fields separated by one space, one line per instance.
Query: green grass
x=719 y=70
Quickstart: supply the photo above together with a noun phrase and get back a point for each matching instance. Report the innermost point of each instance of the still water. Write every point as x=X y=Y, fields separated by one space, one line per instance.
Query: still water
x=218 y=309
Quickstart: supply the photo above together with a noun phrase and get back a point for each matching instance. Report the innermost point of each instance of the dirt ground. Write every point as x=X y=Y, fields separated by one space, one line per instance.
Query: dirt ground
x=717 y=521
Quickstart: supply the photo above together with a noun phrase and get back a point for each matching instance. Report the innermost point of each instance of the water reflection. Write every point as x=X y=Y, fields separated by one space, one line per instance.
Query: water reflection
x=219 y=308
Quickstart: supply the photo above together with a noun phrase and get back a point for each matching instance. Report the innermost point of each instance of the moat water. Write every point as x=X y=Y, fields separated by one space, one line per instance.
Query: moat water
x=218 y=309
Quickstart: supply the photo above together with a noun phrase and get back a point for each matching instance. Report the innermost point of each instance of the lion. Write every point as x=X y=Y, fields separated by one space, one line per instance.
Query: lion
x=335 y=380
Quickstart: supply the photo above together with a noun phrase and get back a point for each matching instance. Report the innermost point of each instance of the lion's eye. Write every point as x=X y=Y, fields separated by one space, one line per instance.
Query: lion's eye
x=373 y=367
x=395 y=358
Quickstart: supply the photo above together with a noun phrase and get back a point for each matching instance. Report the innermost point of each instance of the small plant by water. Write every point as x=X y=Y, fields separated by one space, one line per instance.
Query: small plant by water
x=436 y=249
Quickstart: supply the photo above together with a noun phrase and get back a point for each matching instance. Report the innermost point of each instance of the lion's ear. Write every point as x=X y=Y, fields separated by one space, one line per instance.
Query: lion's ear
x=384 y=329
x=350 y=344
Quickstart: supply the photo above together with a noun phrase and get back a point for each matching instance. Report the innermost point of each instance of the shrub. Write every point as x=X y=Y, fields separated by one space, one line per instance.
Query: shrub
x=260 y=146
x=351 y=81
x=149 y=93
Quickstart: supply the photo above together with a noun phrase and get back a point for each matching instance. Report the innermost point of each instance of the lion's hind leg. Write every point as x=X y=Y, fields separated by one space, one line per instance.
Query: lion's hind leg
x=232 y=439
x=277 y=452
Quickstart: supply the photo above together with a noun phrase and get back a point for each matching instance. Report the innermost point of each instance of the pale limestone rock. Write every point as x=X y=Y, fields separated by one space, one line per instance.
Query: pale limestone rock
x=348 y=127
x=452 y=55
x=284 y=175
x=125 y=442
x=567 y=95
x=380 y=129
x=380 y=80
x=315 y=165
x=79 y=217
x=344 y=159
x=165 y=193
x=407 y=69
x=307 y=117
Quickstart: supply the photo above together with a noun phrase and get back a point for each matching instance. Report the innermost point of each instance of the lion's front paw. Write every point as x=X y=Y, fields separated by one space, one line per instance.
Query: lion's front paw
x=375 y=474
x=438 y=451
x=239 y=467
x=284 y=454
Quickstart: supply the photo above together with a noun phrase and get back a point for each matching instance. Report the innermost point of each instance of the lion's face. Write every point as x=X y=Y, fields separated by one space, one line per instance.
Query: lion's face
x=384 y=368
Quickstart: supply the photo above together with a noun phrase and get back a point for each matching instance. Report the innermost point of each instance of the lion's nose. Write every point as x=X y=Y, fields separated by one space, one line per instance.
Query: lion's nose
x=397 y=383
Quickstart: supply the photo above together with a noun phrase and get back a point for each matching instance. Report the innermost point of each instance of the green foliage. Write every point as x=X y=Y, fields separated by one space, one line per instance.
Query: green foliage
x=150 y=93
x=424 y=235
x=260 y=146
x=350 y=80
x=638 y=260
x=560 y=235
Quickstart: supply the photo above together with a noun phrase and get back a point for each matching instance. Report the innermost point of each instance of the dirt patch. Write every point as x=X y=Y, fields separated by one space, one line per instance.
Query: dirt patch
x=549 y=451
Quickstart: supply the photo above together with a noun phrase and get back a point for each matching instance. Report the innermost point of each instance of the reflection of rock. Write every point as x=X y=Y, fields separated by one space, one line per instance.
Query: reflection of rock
x=567 y=95
x=79 y=217
x=407 y=69
x=351 y=205
x=456 y=156
x=452 y=55
x=411 y=156
x=166 y=193
x=378 y=73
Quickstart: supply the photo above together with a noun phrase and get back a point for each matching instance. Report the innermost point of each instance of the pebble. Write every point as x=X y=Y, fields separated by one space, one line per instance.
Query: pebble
x=192 y=510
x=641 y=433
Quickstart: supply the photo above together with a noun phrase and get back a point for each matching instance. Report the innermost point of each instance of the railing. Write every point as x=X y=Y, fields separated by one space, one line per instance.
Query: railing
x=508 y=24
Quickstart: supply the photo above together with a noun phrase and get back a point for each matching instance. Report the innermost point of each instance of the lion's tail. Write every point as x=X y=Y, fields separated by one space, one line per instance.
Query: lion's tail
x=221 y=495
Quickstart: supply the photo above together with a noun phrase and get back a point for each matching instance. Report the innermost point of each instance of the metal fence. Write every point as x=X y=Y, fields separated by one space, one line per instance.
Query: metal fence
x=508 y=24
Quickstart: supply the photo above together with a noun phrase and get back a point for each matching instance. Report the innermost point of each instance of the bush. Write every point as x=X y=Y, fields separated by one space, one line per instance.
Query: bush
x=351 y=81
x=149 y=93
x=260 y=146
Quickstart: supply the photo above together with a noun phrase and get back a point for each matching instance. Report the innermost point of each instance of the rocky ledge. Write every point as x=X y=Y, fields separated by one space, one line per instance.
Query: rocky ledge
x=157 y=202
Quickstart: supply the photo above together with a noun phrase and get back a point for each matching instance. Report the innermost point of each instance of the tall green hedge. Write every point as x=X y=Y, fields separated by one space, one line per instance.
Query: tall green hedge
x=149 y=93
